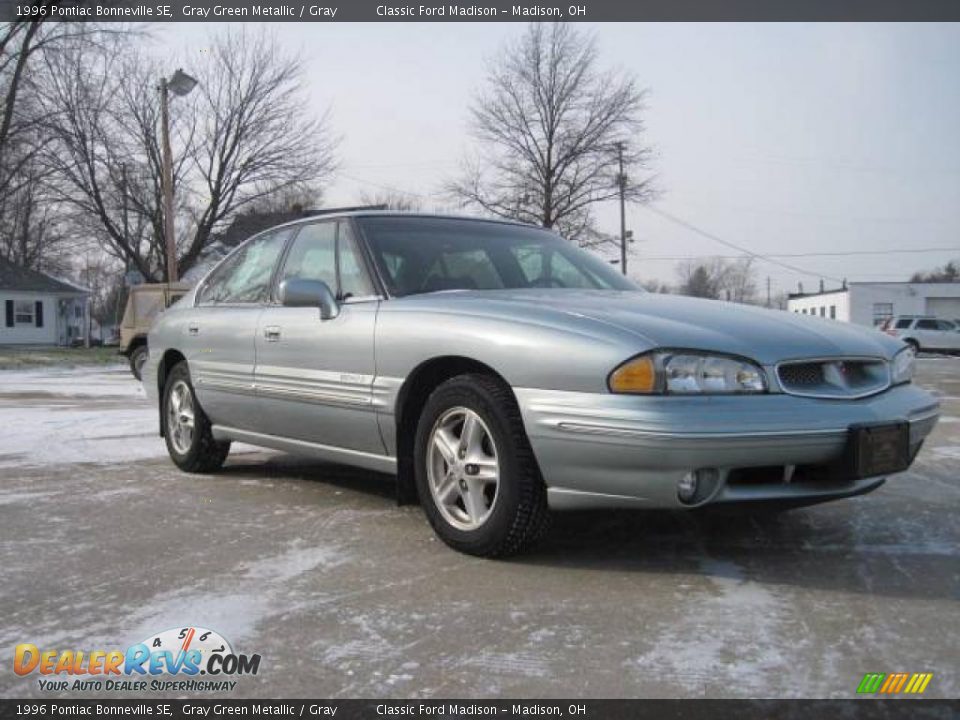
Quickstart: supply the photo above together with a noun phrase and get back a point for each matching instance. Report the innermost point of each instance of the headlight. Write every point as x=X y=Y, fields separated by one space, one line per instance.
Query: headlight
x=901 y=369
x=687 y=373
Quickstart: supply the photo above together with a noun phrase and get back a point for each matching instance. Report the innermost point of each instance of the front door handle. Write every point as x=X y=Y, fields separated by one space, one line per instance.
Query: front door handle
x=272 y=333
x=193 y=328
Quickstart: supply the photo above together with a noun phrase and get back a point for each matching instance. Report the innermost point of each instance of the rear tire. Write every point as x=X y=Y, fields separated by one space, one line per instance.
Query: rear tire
x=137 y=359
x=483 y=494
x=914 y=344
x=186 y=428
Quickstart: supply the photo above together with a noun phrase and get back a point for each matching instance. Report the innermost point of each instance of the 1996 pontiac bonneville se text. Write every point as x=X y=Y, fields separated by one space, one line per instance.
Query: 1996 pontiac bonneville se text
x=503 y=373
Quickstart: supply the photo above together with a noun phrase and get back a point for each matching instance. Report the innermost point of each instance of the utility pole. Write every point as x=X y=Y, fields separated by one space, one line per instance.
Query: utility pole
x=768 y=291
x=126 y=222
x=622 y=183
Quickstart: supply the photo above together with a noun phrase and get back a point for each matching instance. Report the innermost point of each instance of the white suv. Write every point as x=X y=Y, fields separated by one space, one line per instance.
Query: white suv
x=924 y=332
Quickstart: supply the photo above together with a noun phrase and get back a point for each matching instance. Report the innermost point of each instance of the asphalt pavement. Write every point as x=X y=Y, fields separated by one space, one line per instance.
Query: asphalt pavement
x=103 y=543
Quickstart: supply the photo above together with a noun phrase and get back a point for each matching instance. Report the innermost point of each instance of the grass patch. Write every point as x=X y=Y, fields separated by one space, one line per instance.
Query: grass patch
x=17 y=358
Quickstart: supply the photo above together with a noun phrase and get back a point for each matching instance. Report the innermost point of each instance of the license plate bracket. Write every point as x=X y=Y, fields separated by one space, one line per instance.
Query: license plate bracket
x=875 y=449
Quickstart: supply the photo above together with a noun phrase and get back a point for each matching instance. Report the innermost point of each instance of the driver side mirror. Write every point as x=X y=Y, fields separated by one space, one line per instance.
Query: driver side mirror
x=300 y=292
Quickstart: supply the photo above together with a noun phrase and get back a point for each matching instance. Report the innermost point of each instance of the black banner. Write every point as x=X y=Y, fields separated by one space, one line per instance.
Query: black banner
x=913 y=709
x=481 y=10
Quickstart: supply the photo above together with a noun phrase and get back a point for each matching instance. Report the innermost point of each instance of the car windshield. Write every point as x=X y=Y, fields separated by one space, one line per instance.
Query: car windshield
x=421 y=255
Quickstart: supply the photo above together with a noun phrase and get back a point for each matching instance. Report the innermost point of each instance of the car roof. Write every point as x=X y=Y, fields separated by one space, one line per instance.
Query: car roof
x=356 y=213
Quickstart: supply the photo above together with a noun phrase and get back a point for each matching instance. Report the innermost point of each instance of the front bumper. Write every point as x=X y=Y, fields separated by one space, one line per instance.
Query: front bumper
x=605 y=450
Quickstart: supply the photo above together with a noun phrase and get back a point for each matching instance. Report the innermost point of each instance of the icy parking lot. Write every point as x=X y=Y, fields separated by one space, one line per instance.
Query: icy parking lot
x=343 y=594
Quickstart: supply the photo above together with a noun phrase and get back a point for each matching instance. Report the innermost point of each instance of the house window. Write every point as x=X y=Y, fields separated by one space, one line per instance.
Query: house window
x=833 y=312
x=23 y=312
x=882 y=312
x=77 y=311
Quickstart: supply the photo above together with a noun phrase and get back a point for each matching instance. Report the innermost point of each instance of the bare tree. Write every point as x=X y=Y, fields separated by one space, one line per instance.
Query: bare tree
x=948 y=273
x=30 y=226
x=243 y=138
x=294 y=199
x=29 y=217
x=719 y=279
x=698 y=279
x=655 y=286
x=254 y=135
x=392 y=200
x=551 y=124
x=739 y=282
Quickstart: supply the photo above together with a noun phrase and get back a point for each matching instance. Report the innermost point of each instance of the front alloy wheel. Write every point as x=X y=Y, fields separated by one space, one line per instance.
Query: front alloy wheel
x=463 y=469
x=477 y=478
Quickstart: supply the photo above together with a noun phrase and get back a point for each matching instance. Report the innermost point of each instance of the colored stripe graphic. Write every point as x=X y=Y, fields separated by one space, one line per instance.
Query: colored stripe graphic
x=894 y=683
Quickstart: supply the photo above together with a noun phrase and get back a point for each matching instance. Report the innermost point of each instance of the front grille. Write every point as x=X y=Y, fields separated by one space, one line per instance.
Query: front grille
x=802 y=374
x=834 y=377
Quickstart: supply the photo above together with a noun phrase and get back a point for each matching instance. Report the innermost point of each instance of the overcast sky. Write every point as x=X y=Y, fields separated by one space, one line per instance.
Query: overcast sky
x=782 y=138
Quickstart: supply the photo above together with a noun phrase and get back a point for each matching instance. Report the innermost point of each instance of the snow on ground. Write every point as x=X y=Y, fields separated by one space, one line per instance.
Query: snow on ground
x=48 y=418
x=77 y=382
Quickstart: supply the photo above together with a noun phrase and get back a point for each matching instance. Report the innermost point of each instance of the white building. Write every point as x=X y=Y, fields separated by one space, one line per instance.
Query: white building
x=870 y=303
x=38 y=309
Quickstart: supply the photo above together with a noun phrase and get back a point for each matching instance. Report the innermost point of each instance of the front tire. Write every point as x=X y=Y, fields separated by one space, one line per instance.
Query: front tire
x=186 y=428
x=476 y=475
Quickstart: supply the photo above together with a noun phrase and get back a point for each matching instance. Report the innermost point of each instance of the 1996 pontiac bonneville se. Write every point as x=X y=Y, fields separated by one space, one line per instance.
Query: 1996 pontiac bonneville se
x=502 y=373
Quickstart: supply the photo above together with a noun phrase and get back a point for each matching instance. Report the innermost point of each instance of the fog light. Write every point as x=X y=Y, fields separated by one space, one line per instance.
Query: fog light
x=687 y=487
x=704 y=479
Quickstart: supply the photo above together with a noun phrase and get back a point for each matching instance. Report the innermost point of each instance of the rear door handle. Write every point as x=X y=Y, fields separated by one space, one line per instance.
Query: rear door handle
x=193 y=328
x=272 y=333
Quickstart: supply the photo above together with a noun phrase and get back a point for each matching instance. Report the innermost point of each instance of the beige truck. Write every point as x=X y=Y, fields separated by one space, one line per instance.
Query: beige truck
x=144 y=303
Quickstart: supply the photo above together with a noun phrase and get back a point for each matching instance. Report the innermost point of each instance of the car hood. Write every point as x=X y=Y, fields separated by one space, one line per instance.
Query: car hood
x=673 y=321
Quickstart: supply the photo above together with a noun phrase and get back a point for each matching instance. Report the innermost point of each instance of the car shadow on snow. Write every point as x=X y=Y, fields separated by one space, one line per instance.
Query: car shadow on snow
x=848 y=546
x=872 y=545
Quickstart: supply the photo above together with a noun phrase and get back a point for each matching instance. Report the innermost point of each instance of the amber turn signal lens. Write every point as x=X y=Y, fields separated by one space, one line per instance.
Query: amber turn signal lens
x=637 y=376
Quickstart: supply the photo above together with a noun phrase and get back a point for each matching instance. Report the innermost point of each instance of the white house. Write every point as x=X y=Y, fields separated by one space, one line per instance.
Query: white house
x=38 y=309
x=870 y=303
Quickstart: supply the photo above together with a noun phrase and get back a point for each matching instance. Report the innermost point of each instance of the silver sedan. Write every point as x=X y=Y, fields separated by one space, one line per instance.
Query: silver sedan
x=501 y=373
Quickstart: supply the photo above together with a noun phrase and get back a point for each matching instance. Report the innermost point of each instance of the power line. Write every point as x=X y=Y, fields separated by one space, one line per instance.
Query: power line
x=391 y=188
x=809 y=254
x=710 y=236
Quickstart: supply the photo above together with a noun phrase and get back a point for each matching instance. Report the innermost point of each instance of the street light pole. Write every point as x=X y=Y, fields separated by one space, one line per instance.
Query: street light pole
x=179 y=84
x=167 y=173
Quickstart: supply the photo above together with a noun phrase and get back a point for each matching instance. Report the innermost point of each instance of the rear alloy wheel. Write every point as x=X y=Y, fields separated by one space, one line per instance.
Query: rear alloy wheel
x=187 y=429
x=138 y=357
x=478 y=481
